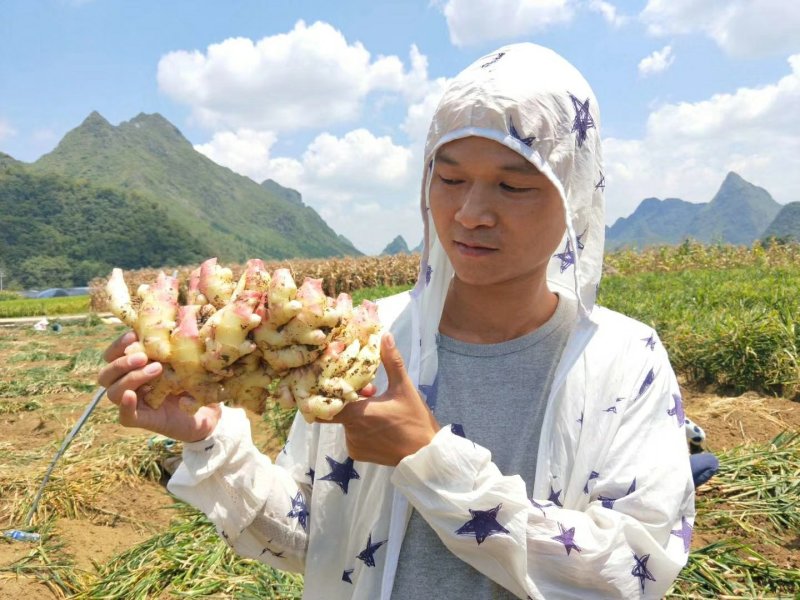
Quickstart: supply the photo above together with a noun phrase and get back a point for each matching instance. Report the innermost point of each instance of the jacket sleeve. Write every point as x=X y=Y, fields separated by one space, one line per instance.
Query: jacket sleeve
x=629 y=541
x=258 y=507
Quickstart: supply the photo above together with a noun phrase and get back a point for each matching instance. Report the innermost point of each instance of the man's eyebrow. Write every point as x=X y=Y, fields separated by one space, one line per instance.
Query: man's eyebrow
x=523 y=166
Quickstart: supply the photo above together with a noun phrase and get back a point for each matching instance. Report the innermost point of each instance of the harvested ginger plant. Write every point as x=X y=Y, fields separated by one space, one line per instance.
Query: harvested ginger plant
x=250 y=342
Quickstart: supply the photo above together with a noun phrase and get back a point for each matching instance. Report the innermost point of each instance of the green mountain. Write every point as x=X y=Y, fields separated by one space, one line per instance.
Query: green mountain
x=653 y=222
x=396 y=246
x=9 y=161
x=738 y=214
x=288 y=194
x=55 y=231
x=786 y=224
x=233 y=216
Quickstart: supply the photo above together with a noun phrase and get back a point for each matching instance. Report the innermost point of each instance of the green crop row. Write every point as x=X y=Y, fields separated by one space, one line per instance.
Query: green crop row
x=732 y=328
x=50 y=307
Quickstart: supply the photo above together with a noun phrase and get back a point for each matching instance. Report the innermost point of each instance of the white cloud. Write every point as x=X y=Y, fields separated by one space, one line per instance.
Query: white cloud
x=689 y=147
x=474 y=21
x=306 y=78
x=245 y=151
x=364 y=186
x=609 y=12
x=740 y=27
x=6 y=130
x=658 y=61
x=358 y=162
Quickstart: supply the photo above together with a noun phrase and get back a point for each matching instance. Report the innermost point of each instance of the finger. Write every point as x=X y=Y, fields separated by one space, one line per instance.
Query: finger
x=128 y=409
x=368 y=390
x=350 y=412
x=133 y=381
x=117 y=347
x=392 y=361
x=120 y=367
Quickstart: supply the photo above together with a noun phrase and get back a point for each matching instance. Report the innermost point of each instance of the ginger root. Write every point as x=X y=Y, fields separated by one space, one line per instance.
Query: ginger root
x=261 y=339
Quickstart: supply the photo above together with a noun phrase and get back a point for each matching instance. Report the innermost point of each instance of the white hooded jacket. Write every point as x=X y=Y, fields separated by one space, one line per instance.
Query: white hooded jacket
x=613 y=499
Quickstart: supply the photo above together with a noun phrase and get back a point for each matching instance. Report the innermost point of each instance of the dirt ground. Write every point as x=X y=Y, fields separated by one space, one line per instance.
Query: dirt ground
x=126 y=514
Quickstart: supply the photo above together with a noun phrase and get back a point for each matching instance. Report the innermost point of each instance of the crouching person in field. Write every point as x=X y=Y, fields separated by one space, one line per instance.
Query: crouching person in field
x=523 y=441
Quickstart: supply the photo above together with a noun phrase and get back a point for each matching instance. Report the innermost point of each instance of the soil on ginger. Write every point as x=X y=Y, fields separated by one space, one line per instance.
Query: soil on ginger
x=35 y=417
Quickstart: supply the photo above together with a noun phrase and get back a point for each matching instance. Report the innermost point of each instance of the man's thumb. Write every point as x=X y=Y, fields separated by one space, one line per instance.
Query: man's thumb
x=392 y=360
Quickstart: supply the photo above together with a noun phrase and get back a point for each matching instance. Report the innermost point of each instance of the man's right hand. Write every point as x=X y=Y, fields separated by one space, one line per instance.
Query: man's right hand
x=123 y=377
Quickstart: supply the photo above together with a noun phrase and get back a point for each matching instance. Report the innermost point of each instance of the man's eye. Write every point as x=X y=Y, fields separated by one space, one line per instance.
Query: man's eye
x=447 y=181
x=515 y=190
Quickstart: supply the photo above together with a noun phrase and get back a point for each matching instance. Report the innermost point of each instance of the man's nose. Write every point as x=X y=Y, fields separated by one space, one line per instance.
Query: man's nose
x=476 y=208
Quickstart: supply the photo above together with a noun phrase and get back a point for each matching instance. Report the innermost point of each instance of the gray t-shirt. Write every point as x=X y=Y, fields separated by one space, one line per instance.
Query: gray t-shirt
x=496 y=395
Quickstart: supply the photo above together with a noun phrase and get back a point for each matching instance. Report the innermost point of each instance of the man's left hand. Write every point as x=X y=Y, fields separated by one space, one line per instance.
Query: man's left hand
x=385 y=429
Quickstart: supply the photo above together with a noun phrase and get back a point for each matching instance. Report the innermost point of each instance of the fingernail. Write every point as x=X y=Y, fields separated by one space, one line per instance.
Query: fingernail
x=137 y=359
x=389 y=340
x=152 y=368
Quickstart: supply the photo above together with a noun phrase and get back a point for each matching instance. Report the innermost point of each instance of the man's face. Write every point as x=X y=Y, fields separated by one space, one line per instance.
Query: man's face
x=497 y=217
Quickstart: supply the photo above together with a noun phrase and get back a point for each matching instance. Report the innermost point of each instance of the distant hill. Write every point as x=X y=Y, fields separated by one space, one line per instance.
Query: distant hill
x=55 y=231
x=9 y=161
x=288 y=194
x=786 y=224
x=396 y=246
x=234 y=217
x=738 y=214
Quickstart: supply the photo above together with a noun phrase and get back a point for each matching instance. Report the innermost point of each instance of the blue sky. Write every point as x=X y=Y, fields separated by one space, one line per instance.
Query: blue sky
x=332 y=98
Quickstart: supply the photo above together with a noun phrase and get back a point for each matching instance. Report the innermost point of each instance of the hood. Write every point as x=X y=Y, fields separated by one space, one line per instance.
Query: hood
x=533 y=101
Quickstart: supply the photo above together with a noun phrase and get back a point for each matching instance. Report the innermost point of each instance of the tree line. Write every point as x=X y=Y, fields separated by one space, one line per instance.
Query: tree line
x=60 y=232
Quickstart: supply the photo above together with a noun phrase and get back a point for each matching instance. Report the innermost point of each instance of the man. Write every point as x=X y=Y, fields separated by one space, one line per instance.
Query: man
x=547 y=459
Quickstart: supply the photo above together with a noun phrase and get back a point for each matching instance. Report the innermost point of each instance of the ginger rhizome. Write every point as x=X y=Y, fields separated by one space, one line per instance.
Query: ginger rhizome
x=251 y=341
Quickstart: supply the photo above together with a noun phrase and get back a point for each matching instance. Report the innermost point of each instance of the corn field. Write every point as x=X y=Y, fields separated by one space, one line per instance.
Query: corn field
x=337 y=274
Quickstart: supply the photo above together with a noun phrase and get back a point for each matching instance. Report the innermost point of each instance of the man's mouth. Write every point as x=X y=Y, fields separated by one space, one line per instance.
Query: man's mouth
x=473 y=248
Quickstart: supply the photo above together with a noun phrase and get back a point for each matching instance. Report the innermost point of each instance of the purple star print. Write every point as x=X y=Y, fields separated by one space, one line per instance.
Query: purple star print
x=494 y=59
x=567 y=537
x=341 y=473
x=648 y=381
x=482 y=524
x=541 y=507
x=346 y=575
x=567 y=257
x=458 y=429
x=528 y=141
x=310 y=474
x=553 y=497
x=583 y=121
x=428 y=273
x=650 y=342
x=579 y=238
x=271 y=551
x=592 y=475
x=611 y=409
x=640 y=569
x=299 y=509
x=607 y=502
x=580 y=420
x=601 y=185
x=685 y=533
x=431 y=392
x=677 y=410
x=367 y=555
